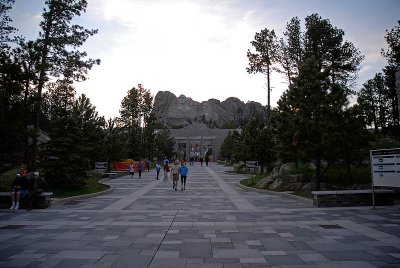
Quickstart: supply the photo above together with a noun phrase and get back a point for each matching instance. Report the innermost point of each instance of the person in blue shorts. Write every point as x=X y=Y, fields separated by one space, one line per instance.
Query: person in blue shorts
x=19 y=189
x=183 y=170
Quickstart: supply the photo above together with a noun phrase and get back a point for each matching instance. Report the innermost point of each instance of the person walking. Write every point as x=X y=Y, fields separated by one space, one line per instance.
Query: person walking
x=140 y=168
x=158 y=168
x=148 y=164
x=175 y=175
x=183 y=170
x=165 y=162
x=132 y=169
x=166 y=171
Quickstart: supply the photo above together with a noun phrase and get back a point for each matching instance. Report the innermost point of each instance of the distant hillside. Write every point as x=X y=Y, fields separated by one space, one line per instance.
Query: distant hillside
x=175 y=112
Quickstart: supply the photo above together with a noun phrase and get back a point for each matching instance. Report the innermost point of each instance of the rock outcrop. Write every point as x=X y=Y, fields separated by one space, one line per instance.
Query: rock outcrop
x=181 y=111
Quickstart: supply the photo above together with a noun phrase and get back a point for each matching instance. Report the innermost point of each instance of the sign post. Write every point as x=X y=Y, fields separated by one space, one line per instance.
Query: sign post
x=385 y=169
x=252 y=165
x=100 y=165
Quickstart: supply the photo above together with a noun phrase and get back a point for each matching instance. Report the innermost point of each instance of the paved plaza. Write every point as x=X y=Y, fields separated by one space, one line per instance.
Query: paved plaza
x=214 y=223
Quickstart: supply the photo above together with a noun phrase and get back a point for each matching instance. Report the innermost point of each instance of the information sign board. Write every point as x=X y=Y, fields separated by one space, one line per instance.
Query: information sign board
x=100 y=165
x=385 y=167
x=251 y=164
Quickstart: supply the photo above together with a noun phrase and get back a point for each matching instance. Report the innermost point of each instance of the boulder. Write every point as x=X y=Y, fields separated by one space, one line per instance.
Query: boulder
x=265 y=183
x=286 y=168
x=308 y=186
x=277 y=185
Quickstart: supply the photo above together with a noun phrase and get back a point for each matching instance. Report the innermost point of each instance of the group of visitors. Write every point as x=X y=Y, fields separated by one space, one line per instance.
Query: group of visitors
x=177 y=170
x=26 y=186
x=201 y=160
x=139 y=168
x=174 y=171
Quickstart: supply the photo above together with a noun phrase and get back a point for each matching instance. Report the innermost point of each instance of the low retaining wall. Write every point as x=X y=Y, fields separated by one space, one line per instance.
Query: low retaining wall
x=42 y=200
x=349 y=198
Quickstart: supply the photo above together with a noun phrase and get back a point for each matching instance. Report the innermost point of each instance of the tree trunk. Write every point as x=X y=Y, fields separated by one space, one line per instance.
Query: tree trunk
x=348 y=166
x=318 y=172
x=26 y=136
x=38 y=104
x=269 y=93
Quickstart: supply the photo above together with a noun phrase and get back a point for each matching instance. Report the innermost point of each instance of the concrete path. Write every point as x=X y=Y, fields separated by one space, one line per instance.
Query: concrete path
x=213 y=223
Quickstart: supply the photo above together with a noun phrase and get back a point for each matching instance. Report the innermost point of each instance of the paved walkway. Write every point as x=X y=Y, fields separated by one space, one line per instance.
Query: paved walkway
x=214 y=223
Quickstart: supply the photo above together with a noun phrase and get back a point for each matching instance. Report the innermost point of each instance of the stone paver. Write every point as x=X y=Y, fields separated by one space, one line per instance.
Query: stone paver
x=213 y=223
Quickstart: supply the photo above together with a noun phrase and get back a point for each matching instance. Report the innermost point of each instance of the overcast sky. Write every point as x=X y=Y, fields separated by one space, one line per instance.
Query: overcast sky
x=198 y=47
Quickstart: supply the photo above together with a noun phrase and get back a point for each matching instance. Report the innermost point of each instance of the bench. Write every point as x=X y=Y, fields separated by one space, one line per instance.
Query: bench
x=114 y=174
x=109 y=175
x=42 y=200
x=348 y=198
x=121 y=172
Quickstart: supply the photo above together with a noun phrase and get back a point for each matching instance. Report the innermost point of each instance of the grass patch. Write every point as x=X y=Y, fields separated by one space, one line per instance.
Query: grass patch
x=253 y=180
x=92 y=185
x=238 y=171
x=7 y=178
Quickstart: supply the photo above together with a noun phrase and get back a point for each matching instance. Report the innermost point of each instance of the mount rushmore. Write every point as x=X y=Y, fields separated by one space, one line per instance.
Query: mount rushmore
x=176 y=112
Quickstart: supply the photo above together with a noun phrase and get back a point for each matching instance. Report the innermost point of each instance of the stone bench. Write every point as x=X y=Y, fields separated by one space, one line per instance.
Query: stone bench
x=348 y=198
x=110 y=175
x=114 y=174
x=42 y=200
x=123 y=172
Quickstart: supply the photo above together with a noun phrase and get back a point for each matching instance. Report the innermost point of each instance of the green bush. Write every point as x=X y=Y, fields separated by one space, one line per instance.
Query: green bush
x=7 y=178
x=337 y=175
x=306 y=170
x=253 y=180
x=91 y=184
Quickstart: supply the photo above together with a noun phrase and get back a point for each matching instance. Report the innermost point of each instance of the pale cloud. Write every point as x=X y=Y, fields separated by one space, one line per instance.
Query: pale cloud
x=186 y=48
x=198 y=48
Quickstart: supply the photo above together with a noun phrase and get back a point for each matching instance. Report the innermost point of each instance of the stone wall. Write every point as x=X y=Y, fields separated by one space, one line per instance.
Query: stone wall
x=349 y=198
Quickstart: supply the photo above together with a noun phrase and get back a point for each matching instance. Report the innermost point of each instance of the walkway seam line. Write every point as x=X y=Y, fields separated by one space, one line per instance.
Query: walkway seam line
x=152 y=258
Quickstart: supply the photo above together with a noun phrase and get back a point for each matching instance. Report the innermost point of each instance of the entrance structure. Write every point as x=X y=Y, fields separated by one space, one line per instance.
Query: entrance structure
x=197 y=139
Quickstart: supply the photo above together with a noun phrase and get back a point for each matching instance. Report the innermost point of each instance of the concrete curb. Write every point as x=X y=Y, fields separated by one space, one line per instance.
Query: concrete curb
x=238 y=174
x=285 y=194
x=58 y=201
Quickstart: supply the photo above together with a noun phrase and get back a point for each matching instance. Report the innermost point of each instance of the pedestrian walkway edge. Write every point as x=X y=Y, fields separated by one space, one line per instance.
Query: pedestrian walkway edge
x=285 y=194
x=58 y=201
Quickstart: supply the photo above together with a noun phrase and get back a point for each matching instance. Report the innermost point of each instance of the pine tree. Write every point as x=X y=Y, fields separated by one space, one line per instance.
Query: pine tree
x=164 y=144
x=392 y=54
x=312 y=105
x=374 y=103
x=59 y=57
x=135 y=113
x=266 y=47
